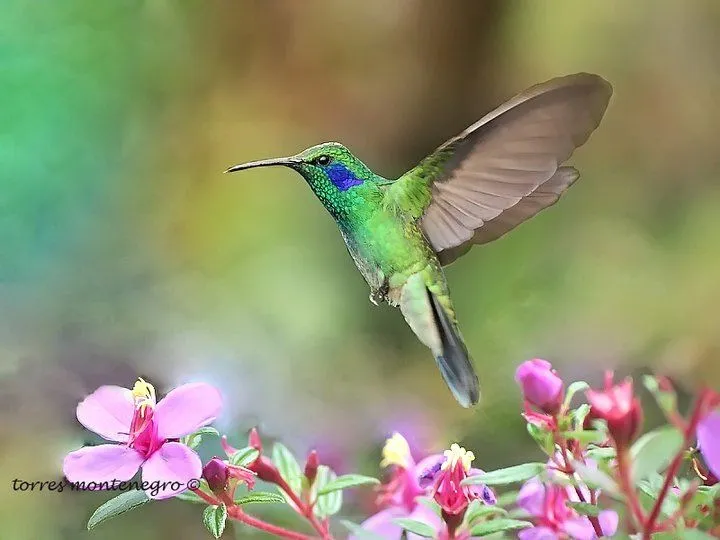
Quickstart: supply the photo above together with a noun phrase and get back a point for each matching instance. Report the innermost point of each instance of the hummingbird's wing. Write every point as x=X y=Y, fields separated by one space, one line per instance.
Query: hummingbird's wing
x=503 y=169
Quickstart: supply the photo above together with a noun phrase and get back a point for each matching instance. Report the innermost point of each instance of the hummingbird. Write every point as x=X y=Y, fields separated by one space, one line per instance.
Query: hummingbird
x=472 y=189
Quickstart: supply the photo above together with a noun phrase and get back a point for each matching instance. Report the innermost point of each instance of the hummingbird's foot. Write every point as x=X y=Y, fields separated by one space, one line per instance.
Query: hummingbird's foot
x=379 y=295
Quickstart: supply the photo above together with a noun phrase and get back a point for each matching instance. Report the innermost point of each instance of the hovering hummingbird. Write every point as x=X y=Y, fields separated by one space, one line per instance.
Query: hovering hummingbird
x=474 y=188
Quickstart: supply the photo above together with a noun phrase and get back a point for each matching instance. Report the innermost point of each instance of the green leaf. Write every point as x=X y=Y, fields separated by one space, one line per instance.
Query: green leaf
x=518 y=473
x=416 y=527
x=543 y=438
x=653 y=451
x=507 y=498
x=595 y=478
x=329 y=503
x=498 y=525
x=585 y=436
x=666 y=399
x=288 y=466
x=430 y=504
x=580 y=414
x=584 y=509
x=600 y=453
x=194 y=439
x=260 y=497
x=189 y=496
x=244 y=456
x=358 y=532
x=117 y=505
x=214 y=518
x=574 y=388
x=478 y=509
x=347 y=481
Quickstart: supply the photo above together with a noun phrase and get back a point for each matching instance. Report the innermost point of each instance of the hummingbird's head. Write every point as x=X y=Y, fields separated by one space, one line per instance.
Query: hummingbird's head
x=330 y=169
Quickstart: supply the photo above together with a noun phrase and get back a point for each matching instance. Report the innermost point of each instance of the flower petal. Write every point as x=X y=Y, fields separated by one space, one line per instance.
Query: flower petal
x=708 y=435
x=531 y=497
x=381 y=524
x=108 y=412
x=425 y=471
x=168 y=471
x=103 y=463
x=608 y=522
x=580 y=529
x=537 y=533
x=187 y=408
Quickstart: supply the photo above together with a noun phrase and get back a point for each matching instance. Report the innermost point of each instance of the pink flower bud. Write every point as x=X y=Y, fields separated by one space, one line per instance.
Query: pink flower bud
x=266 y=470
x=216 y=474
x=311 y=466
x=540 y=385
x=617 y=405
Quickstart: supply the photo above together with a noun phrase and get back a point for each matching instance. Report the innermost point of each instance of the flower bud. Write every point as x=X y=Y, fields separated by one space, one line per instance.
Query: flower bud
x=254 y=440
x=540 y=385
x=619 y=408
x=215 y=472
x=311 y=466
x=266 y=470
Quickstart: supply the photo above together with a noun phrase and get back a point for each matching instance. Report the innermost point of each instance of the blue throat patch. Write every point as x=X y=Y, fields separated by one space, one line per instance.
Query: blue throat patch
x=342 y=177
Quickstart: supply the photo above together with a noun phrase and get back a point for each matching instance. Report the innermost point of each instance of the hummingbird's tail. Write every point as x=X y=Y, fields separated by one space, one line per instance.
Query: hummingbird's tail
x=432 y=324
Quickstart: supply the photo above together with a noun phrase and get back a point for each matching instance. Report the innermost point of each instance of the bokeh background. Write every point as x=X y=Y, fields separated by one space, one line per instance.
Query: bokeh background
x=124 y=251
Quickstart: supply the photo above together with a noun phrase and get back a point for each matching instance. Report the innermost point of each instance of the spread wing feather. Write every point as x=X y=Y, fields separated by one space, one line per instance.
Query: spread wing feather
x=503 y=169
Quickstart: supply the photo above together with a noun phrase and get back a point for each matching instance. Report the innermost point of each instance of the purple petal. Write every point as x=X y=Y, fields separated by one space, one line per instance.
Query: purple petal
x=608 y=522
x=103 y=463
x=381 y=524
x=169 y=470
x=537 y=533
x=708 y=435
x=108 y=412
x=580 y=529
x=187 y=408
x=531 y=497
x=426 y=470
x=481 y=491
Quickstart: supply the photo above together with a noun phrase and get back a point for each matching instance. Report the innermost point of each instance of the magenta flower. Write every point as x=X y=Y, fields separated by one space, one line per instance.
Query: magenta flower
x=398 y=496
x=554 y=520
x=618 y=406
x=146 y=434
x=708 y=435
x=540 y=385
x=447 y=490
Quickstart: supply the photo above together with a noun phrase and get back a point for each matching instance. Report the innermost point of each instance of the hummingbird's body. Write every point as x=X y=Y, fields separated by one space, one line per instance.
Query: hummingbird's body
x=472 y=189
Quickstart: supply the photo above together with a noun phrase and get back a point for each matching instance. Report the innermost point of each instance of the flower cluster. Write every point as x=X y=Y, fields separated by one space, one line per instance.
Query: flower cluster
x=598 y=467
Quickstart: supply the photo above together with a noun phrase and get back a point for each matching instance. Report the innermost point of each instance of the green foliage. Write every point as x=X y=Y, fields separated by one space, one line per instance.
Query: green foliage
x=585 y=509
x=574 y=388
x=653 y=451
x=244 y=456
x=666 y=398
x=328 y=503
x=255 y=497
x=487 y=528
x=478 y=510
x=416 y=527
x=509 y=475
x=347 y=481
x=543 y=438
x=214 y=518
x=194 y=439
x=117 y=505
x=288 y=466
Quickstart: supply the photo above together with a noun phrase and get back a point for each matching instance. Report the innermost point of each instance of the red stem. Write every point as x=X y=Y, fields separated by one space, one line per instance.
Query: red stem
x=306 y=510
x=688 y=438
x=626 y=485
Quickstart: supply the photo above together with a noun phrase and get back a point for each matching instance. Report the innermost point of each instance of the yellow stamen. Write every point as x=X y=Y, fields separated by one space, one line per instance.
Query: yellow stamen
x=455 y=454
x=396 y=452
x=143 y=395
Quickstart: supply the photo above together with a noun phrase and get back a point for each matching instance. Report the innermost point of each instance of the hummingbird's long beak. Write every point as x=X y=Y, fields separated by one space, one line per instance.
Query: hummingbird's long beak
x=286 y=162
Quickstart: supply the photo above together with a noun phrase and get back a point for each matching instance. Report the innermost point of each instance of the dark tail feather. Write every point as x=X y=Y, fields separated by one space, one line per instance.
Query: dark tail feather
x=454 y=362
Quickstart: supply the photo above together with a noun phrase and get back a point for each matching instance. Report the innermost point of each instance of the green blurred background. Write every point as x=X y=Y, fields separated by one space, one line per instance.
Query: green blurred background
x=124 y=251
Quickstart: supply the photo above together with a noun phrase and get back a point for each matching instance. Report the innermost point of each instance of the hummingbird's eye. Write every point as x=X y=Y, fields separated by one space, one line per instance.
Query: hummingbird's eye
x=323 y=160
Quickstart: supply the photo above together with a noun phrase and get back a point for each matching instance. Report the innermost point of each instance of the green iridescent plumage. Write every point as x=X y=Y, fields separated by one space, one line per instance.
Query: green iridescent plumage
x=499 y=172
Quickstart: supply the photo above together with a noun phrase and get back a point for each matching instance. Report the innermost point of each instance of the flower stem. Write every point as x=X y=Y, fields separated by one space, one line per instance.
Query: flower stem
x=688 y=436
x=304 y=509
x=626 y=485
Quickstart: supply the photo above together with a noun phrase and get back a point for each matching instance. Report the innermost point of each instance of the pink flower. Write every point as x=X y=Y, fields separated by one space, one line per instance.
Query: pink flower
x=708 y=435
x=447 y=490
x=540 y=385
x=398 y=495
x=617 y=405
x=146 y=434
x=554 y=519
x=218 y=473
